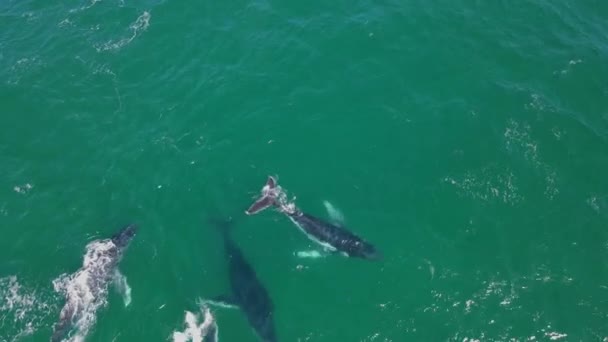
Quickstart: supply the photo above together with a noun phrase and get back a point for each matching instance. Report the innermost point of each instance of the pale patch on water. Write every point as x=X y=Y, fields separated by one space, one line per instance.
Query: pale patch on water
x=568 y=67
x=21 y=68
x=468 y=305
x=140 y=25
x=518 y=140
x=23 y=189
x=543 y=274
x=592 y=202
x=103 y=69
x=65 y=22
x=489 y=183
x=557 y=133
x=29 y=16
x=85 y=7
x=311 y=254
x=554 y=335
x=431 y=268
x=500 y=292
x=21 y=309
x=539 y=103
x=203 y=303
x=195 y=332
x=86 y=290
x=551 y=189
x=501 y=289
x=496 y=302
x=375 y=337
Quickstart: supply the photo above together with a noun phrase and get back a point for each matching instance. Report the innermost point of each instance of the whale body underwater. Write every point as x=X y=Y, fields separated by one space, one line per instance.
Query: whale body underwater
x=332 y=237
x=247 y=291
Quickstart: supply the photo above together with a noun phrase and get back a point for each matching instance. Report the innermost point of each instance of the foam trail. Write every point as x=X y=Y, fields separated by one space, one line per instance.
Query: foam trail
x=120 y=282
x=91 y=4
x=206 y=331
x=141 y=24
x=334 y=214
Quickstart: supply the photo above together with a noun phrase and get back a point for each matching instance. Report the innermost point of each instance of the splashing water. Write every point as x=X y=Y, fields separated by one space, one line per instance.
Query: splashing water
x=206 y=331
x=21 y=309
x=86 y=290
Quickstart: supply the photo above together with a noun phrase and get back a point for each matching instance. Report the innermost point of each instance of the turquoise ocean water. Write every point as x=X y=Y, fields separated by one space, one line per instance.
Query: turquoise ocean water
x=468 y=140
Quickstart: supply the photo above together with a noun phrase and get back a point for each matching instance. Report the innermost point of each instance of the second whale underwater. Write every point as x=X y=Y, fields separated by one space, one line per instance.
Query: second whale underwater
x=247 y=291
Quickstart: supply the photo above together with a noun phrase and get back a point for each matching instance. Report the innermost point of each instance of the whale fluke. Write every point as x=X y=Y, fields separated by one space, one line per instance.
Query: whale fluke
x=267 y=199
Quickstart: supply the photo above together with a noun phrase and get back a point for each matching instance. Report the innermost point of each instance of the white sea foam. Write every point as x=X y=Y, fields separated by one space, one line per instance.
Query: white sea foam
x=487 y=184
x=195 y=332
x=554 y=336
x=23 y=67
x=519 y=140
x=21 y=309
x=86 y=290
x=23 y=189
x=141 y=24
x=89 y=5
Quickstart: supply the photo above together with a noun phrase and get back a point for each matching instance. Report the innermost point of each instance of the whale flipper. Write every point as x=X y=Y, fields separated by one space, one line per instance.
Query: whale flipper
x=120 y=283
x=222 y=301
x=335 y=215
x=311 y=254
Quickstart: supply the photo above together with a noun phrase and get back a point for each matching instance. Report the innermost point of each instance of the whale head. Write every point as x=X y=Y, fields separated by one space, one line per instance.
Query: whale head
x=122 y=238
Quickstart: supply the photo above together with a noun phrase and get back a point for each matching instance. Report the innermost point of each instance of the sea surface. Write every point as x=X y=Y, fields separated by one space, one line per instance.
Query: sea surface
x=467 y=140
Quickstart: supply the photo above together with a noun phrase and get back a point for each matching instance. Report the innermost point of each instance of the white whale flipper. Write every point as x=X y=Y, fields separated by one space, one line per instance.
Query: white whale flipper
x=123 y=288
x=334 y=214
x=219 y=301
x=312 y=254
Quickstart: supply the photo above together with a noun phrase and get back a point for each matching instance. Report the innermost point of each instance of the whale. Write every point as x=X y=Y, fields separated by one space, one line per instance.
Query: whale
x=330 y=236
x=247 y=291
x=86 y=290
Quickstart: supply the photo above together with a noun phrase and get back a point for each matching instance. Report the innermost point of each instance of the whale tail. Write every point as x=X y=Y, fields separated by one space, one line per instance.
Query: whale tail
x=270 y=192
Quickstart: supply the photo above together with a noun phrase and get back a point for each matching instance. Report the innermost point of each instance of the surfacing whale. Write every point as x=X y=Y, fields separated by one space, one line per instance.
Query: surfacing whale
x=332 y=237
x=86 y=290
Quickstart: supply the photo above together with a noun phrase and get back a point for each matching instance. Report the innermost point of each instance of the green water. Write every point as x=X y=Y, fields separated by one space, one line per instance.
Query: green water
x=467 y=140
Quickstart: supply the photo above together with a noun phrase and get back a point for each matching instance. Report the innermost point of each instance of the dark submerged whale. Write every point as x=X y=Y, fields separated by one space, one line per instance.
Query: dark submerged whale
x=330 y=236
x=86 y=289
x=247 y=291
